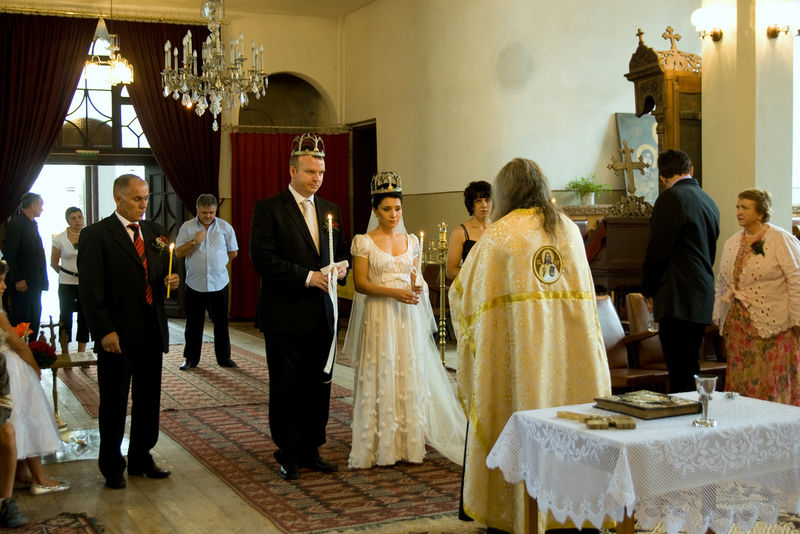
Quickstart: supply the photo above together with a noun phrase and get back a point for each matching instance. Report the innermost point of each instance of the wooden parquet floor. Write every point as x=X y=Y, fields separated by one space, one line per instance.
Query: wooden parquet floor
x=192 y=499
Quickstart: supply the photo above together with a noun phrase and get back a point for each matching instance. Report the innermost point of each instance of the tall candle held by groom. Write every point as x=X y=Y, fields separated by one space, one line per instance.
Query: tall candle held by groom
x=330 y=238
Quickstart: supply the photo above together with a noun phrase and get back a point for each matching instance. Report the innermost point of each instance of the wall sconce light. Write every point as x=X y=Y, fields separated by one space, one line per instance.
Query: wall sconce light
x=780 y=17
x=706 y=21
x=773 y=30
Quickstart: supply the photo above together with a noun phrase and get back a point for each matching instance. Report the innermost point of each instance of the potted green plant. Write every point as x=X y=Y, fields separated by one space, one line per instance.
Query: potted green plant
x=586 y=187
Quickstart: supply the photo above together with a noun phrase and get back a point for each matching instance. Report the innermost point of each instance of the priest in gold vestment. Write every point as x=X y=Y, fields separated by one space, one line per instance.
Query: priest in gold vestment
x=524 y=310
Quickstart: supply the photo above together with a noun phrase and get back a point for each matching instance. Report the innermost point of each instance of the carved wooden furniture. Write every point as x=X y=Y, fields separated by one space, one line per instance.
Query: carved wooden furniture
x=620 y=349
x=668 y=84
x=651 y=354
x=620 y=244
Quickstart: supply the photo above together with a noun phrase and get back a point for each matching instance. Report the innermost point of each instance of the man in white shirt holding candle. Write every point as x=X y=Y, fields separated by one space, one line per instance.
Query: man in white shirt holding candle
x=207 y=243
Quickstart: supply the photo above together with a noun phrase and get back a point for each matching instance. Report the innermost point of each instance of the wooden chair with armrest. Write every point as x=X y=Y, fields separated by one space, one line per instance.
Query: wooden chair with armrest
x=621 y=348
x=651 y=354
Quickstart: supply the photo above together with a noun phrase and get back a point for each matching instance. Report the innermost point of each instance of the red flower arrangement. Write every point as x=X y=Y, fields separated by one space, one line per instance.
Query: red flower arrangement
x=43 y=353
x=23 y=331
x=758 y=247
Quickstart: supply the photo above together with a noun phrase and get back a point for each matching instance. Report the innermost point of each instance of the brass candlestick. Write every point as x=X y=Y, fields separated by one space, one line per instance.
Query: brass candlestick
x=437 y=255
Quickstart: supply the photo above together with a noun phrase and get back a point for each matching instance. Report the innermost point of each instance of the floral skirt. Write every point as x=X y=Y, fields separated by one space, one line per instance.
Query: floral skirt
x=762 y=368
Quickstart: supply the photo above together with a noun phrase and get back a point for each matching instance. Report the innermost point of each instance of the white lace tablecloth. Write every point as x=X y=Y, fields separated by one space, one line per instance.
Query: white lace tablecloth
x=747 y=468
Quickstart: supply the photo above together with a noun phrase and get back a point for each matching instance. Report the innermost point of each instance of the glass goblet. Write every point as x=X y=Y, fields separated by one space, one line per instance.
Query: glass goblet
x=706 y=384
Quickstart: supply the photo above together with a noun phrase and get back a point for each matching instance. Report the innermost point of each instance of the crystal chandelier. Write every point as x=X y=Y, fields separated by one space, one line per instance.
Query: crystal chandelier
x=219 y=82
x=120 y=71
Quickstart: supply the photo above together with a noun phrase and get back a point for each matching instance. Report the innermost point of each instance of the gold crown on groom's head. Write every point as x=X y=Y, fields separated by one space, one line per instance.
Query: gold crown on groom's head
x=308 y=144
x=386 y=182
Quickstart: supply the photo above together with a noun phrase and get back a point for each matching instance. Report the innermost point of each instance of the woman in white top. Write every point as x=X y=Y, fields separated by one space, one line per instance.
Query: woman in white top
x=404 y=397
x=64 y=259
x=757 y=304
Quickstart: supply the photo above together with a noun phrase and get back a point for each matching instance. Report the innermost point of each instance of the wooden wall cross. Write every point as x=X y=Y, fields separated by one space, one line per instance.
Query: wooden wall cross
x=627 y=165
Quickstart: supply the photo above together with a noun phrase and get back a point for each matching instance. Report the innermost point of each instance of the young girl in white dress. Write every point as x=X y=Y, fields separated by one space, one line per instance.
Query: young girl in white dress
x=403 y=394
x=32 y=417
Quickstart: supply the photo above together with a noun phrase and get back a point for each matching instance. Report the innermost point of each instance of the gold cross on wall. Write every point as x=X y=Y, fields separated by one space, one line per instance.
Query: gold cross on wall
x=672 y=37
x=626 y=164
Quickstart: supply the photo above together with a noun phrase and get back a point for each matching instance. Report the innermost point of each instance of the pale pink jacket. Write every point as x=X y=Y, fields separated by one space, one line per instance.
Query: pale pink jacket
x=769 y=285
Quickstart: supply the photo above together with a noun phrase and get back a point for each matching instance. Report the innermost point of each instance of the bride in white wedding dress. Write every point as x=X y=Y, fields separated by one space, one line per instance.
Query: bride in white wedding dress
x=404 y=397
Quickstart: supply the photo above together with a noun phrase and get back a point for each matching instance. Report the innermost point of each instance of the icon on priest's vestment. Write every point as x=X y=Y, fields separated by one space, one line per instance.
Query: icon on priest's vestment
x=547 y=265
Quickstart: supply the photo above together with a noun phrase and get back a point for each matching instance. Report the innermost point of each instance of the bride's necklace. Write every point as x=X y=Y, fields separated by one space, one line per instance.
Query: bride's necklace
x=69 y=230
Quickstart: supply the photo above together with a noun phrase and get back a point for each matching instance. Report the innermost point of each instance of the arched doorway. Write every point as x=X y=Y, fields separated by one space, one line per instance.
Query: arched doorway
x=290 y=101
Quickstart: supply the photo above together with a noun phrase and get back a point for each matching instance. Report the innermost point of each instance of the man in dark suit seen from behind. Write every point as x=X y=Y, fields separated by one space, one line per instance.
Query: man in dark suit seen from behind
x=122 y=260
x=677 y=273
x=27 y=266
x=289 y=246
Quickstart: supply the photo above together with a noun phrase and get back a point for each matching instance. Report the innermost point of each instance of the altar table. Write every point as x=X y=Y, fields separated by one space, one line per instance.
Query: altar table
x=667 y=471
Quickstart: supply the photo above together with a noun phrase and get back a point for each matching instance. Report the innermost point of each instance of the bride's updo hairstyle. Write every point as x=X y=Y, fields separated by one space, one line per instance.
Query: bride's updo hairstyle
x=385 y=184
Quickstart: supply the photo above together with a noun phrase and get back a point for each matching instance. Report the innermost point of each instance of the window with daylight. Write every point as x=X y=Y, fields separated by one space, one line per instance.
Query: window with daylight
x=101 y=116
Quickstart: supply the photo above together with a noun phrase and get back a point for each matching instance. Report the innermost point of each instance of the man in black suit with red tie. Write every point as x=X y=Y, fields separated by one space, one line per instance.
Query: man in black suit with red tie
x=123 y=280
x=677 y=272
x=289 y=246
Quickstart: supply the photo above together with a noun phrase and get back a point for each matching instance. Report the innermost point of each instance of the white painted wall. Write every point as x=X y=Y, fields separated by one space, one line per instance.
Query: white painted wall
x=748 y=113
x=459 y=87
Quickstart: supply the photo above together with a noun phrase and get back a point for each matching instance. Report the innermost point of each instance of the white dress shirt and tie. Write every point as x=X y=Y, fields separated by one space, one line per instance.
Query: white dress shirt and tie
x=207 y=283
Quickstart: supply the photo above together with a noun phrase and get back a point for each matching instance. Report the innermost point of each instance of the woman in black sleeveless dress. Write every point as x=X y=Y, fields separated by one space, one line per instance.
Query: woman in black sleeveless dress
x=478 y=201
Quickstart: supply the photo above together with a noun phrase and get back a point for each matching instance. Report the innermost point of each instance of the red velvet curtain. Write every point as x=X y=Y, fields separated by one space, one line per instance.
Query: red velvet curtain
x=260 y=169
x=186 y=148
x=40 y=64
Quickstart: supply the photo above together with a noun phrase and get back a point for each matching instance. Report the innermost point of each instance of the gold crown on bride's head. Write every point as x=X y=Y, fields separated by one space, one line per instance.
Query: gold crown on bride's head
x=386 y=182
x=308 y=144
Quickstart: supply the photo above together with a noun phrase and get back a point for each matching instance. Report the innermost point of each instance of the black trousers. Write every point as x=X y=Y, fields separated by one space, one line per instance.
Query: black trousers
x=681 y=342
x=69 y=303
x=299 y=399
x=26 y=307
x=137 y=371
x=197 y=302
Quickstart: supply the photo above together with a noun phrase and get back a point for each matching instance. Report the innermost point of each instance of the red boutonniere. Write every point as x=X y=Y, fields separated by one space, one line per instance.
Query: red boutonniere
x=43 y=353
x=334 y=225
x=758 y=247
x=160 y=243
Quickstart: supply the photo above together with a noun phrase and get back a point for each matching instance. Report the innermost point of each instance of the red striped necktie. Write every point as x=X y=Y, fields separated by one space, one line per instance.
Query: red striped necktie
x=138 y=243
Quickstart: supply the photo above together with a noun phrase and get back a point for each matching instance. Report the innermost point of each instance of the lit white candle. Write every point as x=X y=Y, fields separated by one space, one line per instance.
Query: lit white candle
x=169 y=271
x=330 y=237
x=421 y=244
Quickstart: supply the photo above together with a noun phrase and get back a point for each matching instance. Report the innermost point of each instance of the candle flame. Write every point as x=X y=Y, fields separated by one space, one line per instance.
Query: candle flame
x=171 y=246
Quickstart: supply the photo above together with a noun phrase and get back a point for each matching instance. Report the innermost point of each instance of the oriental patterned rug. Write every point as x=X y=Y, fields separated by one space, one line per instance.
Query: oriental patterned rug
x=208 y=385
x=233 y=442
x=64 y=523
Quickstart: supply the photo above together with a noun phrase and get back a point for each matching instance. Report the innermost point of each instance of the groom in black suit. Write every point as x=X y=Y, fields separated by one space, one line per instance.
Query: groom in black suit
x=677 y=272
x=123 y=280
x=289 y=245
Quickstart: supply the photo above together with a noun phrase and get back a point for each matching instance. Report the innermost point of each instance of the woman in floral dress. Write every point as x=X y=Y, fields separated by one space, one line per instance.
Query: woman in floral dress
x=757 y=304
